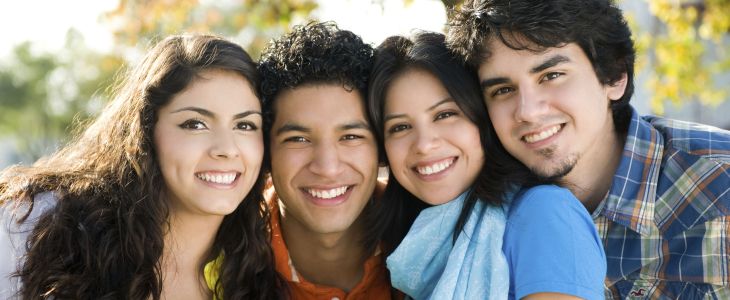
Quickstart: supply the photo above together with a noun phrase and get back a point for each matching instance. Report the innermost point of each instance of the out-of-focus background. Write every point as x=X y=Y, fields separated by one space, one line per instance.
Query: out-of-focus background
x=58 y=59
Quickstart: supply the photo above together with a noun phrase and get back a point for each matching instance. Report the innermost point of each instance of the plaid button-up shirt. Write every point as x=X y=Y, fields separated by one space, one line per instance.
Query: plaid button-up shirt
x=665 y=222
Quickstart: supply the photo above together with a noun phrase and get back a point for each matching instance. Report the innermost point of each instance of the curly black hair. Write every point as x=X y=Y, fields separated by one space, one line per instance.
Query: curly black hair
x=318 y=52
x=597 y=26
x=312 y=54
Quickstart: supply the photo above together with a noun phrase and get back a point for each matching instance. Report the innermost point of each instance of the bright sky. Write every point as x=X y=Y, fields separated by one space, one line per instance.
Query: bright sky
x=374 y=22
x=45 y=22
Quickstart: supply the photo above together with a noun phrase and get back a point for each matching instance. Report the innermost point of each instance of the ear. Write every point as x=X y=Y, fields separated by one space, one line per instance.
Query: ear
x=616 y=90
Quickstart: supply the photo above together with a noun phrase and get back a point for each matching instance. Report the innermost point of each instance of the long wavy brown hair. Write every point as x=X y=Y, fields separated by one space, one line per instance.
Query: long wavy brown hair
x=104 y=237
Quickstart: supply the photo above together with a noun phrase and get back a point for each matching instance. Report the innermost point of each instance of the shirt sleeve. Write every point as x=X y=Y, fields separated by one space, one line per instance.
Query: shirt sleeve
x=552 y=245
x=13 y=236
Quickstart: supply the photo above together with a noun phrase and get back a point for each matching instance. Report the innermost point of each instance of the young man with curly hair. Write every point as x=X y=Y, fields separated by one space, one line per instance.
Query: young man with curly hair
x=557 y=77
x=323 y=159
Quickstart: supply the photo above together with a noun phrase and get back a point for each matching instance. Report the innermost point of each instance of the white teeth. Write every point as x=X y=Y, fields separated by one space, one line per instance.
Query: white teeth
x=435 y=168
x=534 y=138
x=217 y=178
x=328 y=194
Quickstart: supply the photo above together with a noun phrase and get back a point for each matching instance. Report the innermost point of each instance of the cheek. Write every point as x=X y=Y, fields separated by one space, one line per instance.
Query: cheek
x=500 y=121
x=164 y=147
x=252 y=150
x=286 y=162
x=396 y=150
x=363 y=157
x=470 y=141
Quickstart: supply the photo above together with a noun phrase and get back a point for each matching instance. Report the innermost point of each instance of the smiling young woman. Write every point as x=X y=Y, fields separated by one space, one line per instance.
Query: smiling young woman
x=162 y=183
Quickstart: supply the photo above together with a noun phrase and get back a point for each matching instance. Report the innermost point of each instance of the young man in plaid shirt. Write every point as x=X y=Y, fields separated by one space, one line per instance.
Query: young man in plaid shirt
x=557 y=77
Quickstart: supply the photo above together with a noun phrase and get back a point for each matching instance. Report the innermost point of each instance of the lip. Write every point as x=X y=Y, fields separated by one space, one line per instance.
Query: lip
x=221 y=186
x=545 y=142
x=334 y=201
x=435 y=176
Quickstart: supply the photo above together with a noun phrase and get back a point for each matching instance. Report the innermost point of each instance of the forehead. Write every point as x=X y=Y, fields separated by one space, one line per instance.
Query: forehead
x=502 y=59
x=319 y=106
x=414 y=89
x=224 y=90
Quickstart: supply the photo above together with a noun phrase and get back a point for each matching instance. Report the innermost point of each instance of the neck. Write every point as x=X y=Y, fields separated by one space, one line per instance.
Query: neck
x=332 y=259
x=187 y=246
x=591 y=178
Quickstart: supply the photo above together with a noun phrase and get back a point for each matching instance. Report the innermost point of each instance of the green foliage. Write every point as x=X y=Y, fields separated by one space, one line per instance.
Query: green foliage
x=252 y=22
x=41 y=94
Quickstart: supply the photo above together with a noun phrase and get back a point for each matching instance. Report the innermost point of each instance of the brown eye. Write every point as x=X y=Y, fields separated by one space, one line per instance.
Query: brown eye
x=246 y=126
x=444 y=115
x=350 y=137
x=296 y=139
x=398 y=128
x=502 y=91
x=551 y=76
x=193 y=124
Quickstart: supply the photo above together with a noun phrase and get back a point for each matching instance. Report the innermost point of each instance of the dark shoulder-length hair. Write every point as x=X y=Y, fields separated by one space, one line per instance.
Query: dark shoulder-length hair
x=104 y=237
x=427 y=51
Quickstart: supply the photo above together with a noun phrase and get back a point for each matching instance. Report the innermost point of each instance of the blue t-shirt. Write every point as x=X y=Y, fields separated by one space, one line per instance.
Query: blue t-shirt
x=551 y=245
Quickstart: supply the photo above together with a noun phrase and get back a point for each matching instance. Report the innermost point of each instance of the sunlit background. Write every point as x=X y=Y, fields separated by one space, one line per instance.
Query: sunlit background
x=58 y=58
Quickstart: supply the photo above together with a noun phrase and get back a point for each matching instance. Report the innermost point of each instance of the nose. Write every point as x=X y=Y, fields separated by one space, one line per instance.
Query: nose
x=426 y=140
x=531 y=107
x=326 y=161
x=224 y=146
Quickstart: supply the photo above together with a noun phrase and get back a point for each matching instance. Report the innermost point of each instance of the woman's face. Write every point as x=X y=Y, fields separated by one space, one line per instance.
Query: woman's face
x=433 y=148
x=209 y=144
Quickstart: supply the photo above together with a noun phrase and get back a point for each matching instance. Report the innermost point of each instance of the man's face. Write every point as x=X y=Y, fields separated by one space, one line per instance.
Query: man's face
x=324 y=159
x=549 y=109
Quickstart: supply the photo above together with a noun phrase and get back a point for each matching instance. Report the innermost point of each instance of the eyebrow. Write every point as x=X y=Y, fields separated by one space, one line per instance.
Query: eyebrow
x=292 y=127
x=549 y=63
x=210 y=114
x=490 y=82
x=430 y=108
x=355 y=125
x=289 y=127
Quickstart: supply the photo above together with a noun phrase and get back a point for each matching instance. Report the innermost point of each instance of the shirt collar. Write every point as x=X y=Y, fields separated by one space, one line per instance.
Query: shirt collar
x=631 y=199
x=282 y=259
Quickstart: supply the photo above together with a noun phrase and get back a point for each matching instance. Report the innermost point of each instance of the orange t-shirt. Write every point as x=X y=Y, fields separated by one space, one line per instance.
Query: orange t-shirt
x=375 y=283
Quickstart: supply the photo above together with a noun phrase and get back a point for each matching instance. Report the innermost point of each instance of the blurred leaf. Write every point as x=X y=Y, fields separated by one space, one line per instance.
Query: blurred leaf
x=252 y=22
x=41 y=94
x=682 y=68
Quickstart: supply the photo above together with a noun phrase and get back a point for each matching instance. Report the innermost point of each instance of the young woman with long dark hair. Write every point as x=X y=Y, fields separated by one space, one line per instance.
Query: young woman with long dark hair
x=162 y=183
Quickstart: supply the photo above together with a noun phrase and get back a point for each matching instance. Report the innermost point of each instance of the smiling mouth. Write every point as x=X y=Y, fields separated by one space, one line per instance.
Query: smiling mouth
x=542 y=135
x=218 y=178
x=328 y=193
x=436 y=167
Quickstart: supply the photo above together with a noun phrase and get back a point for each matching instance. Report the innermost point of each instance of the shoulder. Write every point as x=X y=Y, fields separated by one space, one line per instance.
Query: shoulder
x=552 y=245
x=696 y=139
x=13 y=235
x=543 y=200
x=548 y=211
x=695 y=168
x=11 y=212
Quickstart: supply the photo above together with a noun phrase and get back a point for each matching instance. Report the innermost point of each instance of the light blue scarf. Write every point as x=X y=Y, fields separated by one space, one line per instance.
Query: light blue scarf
x=426 y=265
